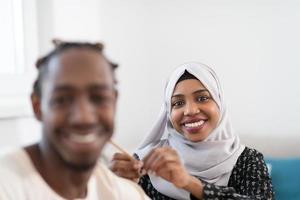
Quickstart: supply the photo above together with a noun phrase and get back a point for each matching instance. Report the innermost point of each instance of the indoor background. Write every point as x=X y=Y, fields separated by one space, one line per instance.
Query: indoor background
x=253 y=45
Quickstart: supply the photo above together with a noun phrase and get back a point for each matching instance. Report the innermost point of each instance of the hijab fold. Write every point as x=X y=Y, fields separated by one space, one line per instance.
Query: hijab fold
x=212 y=159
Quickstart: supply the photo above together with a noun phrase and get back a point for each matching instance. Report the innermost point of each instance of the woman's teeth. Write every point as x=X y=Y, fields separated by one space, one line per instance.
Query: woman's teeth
x=194 y=124
x=80 y=138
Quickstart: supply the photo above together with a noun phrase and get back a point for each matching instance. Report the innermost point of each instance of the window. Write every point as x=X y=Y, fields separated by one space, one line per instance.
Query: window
x=11 y=37
x=18 y=51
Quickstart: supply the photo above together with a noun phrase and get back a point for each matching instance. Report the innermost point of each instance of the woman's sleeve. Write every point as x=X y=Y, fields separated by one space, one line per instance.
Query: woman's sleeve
x=249 y=180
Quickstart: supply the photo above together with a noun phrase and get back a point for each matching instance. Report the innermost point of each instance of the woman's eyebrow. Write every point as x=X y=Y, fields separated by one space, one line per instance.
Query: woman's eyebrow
x=201 y=91
x=177 y=95
x=195 y=92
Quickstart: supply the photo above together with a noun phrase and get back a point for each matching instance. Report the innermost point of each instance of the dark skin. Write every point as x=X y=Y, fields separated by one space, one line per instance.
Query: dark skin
x=190 y=100
x=76 y=109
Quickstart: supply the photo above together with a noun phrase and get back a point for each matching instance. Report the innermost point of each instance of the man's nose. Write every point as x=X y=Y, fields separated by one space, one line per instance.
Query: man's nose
x=83 y=112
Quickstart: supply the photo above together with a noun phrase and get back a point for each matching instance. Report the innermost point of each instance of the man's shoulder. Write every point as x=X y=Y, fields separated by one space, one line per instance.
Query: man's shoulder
x=123 y=188
x=13 y=161
x=109 y=178
x=14 y=165
x=12 y=172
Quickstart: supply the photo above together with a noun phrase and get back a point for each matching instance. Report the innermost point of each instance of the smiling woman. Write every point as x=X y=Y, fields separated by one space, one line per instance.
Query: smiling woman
x=192 y=152
x=191 y=97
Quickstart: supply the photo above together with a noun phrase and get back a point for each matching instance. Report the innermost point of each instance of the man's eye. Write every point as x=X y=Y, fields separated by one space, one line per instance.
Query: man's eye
x=97 y=98
x=61 y=100
x=202 y=98
x=100 y=99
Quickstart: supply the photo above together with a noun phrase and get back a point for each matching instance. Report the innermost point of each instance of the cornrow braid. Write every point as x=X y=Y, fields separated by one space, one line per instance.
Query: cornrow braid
x=60 y=47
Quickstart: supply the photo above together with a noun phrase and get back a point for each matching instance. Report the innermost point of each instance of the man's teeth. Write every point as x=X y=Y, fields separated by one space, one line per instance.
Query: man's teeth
x=194 y=124
x=87 y=138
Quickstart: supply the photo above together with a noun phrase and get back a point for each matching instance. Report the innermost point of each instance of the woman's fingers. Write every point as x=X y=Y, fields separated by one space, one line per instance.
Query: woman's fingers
x=128 y=161
x=165 y=171
x=152 y=157
x=126 y=166
x=123 y=165
x=129 y=174
x=159 y=157
x=121 y=156
x=165 y=163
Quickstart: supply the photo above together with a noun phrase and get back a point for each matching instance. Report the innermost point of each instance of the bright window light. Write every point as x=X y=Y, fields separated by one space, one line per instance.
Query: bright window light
x=11 y=37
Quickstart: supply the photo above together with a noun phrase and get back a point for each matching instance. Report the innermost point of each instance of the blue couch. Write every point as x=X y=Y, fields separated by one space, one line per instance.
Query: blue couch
x=285 y=175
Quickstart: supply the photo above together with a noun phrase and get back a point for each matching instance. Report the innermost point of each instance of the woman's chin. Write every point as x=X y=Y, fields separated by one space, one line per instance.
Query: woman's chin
x=195 y=137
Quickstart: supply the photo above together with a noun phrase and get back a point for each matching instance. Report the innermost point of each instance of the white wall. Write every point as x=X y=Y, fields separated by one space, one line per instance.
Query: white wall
x=68 y=20
x=252 y=44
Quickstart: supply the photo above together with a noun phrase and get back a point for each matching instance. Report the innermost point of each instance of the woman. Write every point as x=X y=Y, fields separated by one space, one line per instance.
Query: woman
x=192 y=152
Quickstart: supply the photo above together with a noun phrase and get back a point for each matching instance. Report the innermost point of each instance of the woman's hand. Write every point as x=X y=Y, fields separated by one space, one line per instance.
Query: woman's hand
x=126 y=166
x=165 y=162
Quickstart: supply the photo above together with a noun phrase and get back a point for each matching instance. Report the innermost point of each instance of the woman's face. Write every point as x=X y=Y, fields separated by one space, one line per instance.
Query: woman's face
x=193 y=111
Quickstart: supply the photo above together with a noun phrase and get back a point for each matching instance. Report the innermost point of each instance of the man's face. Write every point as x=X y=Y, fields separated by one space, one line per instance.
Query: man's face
x=77 y=106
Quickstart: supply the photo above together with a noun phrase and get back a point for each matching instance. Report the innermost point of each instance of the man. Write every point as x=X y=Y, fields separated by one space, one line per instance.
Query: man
x=74 y=97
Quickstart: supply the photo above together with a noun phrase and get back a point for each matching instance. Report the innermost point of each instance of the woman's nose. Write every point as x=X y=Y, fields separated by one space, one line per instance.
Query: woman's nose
x=191 y=109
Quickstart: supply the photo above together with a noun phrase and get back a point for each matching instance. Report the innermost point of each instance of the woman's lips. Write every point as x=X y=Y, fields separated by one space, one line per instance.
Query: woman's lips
x=194 y=126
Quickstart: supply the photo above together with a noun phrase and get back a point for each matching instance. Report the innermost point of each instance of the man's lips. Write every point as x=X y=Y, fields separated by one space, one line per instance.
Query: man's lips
x=83 y=138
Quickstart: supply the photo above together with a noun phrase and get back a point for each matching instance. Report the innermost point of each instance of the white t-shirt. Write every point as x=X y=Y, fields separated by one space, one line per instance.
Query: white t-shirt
x=19 y=180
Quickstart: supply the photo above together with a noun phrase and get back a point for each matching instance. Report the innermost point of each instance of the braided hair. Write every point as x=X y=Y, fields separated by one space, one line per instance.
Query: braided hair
x=60 y=47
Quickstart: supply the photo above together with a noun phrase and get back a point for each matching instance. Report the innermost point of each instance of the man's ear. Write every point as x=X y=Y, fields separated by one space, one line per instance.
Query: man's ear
x=36 y=106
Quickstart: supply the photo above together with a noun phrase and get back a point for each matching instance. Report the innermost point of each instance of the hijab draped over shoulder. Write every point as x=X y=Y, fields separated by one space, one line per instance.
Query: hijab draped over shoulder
x=212 y=159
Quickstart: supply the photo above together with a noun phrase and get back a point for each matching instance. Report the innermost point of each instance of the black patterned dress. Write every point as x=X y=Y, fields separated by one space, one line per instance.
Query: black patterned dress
x=249 y=180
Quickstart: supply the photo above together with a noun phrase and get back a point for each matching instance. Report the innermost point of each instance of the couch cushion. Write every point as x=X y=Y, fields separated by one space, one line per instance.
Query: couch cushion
x=285 y=175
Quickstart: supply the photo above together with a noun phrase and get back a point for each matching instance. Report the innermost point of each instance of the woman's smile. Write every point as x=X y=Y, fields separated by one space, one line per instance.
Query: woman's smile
x=194 y=127
x=194 y=113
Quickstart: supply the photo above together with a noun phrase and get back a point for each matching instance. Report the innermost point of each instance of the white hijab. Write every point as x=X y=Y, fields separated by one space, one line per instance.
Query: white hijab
x=211 y=160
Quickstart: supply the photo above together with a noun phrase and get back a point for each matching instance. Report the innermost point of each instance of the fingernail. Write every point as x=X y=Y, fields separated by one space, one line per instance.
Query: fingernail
x=144 y=172
x=140 y=164
x=152 y=173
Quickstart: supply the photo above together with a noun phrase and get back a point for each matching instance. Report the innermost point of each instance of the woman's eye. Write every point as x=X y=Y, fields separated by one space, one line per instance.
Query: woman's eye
x=203 y=98
x=177 y=103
